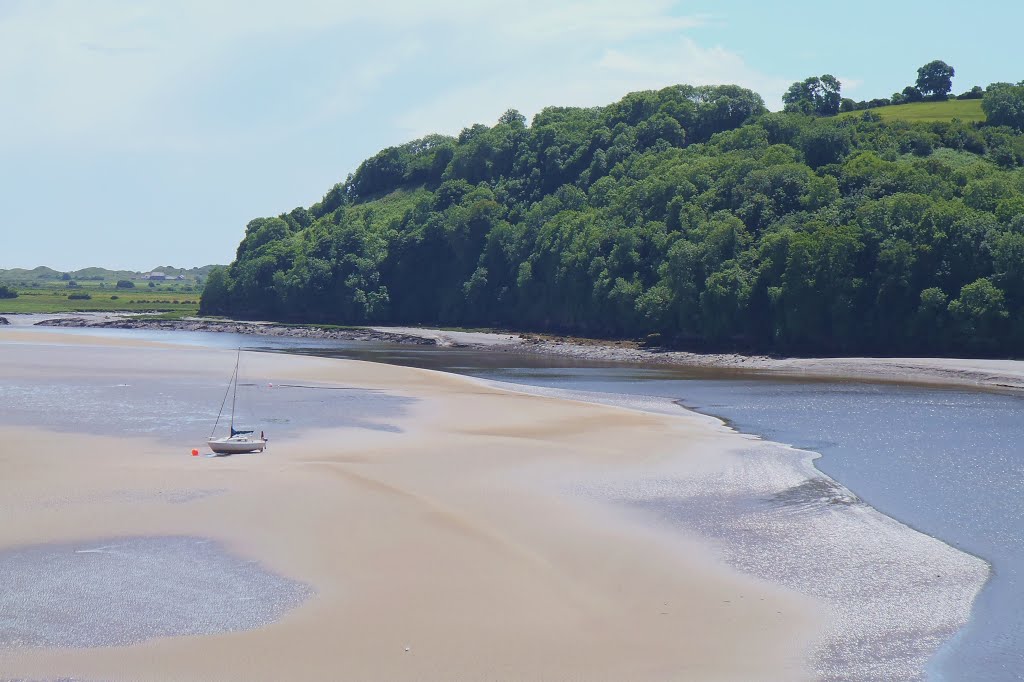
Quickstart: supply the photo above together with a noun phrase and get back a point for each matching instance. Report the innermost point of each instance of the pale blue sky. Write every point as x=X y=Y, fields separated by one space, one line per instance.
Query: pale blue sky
x=142 y=133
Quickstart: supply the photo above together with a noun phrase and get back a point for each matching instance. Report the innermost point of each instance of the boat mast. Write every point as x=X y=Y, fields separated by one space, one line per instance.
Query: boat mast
x=235 y=393
x=224 y=401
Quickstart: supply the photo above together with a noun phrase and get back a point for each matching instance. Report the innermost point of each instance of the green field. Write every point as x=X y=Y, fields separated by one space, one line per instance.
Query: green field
x=173 y=298
x=967 y=110
x=45 y=290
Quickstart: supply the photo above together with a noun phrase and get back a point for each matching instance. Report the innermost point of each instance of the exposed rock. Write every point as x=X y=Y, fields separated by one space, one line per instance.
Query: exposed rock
x=257 y=329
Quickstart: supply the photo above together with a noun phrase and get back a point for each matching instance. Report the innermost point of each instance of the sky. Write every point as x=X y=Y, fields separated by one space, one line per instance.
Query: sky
x=145 y=133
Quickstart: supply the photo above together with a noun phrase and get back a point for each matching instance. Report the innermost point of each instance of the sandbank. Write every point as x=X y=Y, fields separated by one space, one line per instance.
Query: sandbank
x=448 y=548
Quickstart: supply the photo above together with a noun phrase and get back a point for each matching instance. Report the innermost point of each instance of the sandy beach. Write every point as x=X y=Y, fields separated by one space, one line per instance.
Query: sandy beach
x=447 y=546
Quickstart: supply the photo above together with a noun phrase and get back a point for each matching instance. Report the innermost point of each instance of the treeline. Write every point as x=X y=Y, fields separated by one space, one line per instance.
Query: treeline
x=934 y=83
x=821 y=96
x=691 y=213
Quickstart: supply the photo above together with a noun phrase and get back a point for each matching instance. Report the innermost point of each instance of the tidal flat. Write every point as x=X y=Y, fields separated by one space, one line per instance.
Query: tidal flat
x=432 y=532
x=763 y=509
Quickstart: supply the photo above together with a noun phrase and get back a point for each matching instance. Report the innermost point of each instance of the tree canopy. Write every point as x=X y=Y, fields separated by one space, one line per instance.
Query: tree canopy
x=1003 y=104
x=935 y=79
x=691 y=213
x=816 y=95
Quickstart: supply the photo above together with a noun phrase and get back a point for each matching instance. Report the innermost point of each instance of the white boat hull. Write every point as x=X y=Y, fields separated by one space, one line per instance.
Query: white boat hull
x=236 y=445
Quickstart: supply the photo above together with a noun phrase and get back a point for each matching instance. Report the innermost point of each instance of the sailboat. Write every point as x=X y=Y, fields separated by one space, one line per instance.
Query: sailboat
x=238 y=440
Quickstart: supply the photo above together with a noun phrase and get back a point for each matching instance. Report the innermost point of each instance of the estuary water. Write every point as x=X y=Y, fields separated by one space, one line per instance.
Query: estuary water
x=946 y=462
x=949 y=463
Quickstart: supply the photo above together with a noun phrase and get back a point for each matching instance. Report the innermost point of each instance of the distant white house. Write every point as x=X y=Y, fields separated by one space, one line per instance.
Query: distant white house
x=155 y=276
x=180 y=277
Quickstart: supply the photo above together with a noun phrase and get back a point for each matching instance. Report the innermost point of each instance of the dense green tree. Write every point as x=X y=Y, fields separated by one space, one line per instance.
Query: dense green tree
x=977 y=92
x=825 y=143
x=1007 y=250
x=816 y=95
x=911 y=94
x=216 y=294
x=980 y=314
x=935 y=79
x=512 y=117
x=930 y=323
x=1003 y=105
x=724 y=301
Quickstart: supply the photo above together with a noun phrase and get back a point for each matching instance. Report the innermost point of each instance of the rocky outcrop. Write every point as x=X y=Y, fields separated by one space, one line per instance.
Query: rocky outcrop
x=254 y=328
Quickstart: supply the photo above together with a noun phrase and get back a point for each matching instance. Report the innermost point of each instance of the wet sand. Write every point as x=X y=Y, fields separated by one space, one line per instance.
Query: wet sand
x=447 y=548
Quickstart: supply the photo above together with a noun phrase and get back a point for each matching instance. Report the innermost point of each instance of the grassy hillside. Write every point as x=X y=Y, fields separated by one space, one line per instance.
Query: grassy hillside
x=967 y=110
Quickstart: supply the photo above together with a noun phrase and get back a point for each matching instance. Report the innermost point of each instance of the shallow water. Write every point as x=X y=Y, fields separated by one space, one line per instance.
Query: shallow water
x=949 y=463
x=187 y=409
x=122 y=591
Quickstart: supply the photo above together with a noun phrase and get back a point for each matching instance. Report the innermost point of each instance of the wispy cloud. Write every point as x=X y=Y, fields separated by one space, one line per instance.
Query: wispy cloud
x=584 y=73
x=140 y=76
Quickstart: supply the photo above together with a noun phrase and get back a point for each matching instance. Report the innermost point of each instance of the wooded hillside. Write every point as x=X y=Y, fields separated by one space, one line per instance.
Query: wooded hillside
x=691 y=212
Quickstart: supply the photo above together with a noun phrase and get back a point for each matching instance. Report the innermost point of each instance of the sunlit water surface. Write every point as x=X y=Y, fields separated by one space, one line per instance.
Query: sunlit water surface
x=949 y=463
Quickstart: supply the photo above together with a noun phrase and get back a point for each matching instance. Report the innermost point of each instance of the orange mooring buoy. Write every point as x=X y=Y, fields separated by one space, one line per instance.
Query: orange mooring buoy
x=195 y=453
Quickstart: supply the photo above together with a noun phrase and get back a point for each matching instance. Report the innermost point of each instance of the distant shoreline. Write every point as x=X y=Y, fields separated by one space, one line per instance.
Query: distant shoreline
x=999 y=375
x=108 y=321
